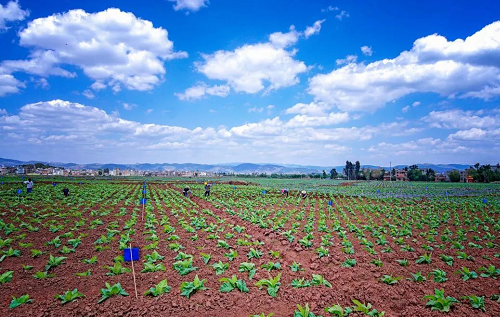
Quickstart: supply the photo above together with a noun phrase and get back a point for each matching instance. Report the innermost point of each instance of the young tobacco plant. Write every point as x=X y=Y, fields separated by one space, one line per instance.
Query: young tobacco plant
x=300 y=283
x=69 y=296
x=271 y=266
x=189 y=288
x=318 y=280
x=206 y=257
x=387 y=279
x=151 y=267
x=490 y=271
x=272 y=284
x=248 y=267
x=467 y=274
x=116 y=269
x=366 y=309
x=231 y=255
x=159 y=289
x=439 y=302
x=6 y=277
x=296 y=267
x=220 y=267
x=304 y=311
x=54 y=261
x=24 y=299
x=184 y=267
x=111 y=291
x=477 y=302
x=229 y=284
x=254 y=253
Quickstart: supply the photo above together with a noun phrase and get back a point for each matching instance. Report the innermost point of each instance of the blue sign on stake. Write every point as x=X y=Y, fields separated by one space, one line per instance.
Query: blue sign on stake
x=234 y=187
x=2 y=182
x=143 y=201
x=144 y=191
x=264 y=192
x=143 y=186
x=54 y=184
x=79 y=183
x=485 y=201
x=19 y=191
x=131 y=254
x=330 y=203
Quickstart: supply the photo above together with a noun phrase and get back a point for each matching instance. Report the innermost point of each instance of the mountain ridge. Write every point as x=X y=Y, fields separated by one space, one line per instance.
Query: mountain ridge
x=238 y=168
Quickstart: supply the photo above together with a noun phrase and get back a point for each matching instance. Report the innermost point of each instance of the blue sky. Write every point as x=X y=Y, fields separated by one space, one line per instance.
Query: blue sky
x=298 y=82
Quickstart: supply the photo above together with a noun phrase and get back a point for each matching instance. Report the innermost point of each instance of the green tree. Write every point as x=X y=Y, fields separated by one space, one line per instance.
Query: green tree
x=357 y=169
x=454 y=176
x=333 y=173
x=414 y=173
x=324 y=174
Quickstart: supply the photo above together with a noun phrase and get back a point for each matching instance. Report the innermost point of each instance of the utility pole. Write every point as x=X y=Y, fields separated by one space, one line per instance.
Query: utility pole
x=390 y=171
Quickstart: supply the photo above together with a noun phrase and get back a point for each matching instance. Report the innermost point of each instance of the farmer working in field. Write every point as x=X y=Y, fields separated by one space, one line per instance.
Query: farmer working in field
x=284 y=192
x=66 y=192
x=186 y=191
x=303 y=194
x=29 y=185
x=207 y=189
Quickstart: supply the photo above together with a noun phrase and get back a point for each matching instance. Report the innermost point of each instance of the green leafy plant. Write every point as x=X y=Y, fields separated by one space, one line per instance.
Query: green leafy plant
x=220 y=267
x=69 y=296
x=10 y=253
x=153 y=257
x=223 y=244
x=6 y=277
x=477 y=302
x=159 y=289
x=275 y=254
x=322 y=252
x=184 y=267
x=271 y=266
x=387 y=279
x=189 y=288
x=254 y=253
x=439 y=275
x=36 y=253
x=338 y=311
x=490 y=271
x=447 y=259
x=116 y=269
x=92 y=260
x=300 y=282
x=417 y=277
x=304 y=311
x=463 y=256
x=439 y=302
x=111 y=291
x=318 y=280
x=151 y=267
x=466 y=273
x=86 y=273
x=231 y=255
x=42 y=275
x=272 y=284
x=229 y=284
x=349 y=263
x=377 y=262
x=366 y=308
x=403 y=262
x=54 y=261
x=424 y=259
x=24 y=299
x=296 y=267
x=27 y=267
x=248 y=267
x=206 y=257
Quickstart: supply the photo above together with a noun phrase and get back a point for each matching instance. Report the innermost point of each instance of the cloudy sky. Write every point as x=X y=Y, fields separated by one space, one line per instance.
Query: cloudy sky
x=263 y=81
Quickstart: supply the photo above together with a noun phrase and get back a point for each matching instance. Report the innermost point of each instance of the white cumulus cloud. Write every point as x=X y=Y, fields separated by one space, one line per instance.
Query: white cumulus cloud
x=112 y=47
x=367 y=50
x=190 y=5
x=463 y=68
x=202 y=89
x=11 y=12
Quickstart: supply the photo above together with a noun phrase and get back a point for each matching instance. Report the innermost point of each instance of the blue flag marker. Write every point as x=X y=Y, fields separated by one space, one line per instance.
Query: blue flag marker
x=234 y=187
x=19 y=191
x=143 y=186
x=330 y=203
x=485 y=201
x=131 y=254
x=144 y=191
x=79 y=183
x=54 y=184
x=2 y=182
x=264 y=192
x=378 y=191
x=143 y=201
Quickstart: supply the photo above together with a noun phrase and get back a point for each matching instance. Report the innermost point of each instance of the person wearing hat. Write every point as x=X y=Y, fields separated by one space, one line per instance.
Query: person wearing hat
x=284 y=191
x=186 y=191
x=29 y=185
x=207 y=189
x=303 y=194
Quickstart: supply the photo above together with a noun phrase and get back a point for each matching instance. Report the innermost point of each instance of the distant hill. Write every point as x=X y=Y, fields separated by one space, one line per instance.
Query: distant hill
x=239 y=168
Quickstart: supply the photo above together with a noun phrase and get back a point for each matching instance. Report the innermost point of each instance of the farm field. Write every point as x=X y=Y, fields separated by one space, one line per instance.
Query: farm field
x=357 y=249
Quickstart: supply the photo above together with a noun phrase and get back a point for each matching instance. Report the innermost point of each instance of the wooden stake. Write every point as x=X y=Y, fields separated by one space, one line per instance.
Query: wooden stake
x=133 y=271
x=142 y=215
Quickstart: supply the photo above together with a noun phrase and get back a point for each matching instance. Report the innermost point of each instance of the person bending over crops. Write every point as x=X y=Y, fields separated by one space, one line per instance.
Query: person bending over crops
x=186 y=191
x=29 y=185
x=207 y=189
x=303 y=194
x=284 y=191
x=66 y=192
